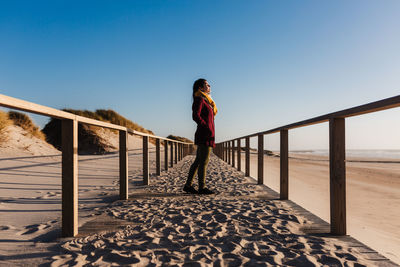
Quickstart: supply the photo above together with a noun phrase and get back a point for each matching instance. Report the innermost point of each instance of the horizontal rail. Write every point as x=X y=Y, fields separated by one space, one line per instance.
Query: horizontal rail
x=69 y=161
x=384 y=104
x=14 y=103
x=337 y=155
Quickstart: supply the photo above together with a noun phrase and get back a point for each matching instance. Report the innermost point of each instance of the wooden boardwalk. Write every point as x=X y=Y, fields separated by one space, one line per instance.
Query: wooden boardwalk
x=257 y=227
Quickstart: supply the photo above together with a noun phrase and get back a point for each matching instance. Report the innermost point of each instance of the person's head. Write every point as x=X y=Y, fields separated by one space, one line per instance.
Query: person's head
x=201 y=84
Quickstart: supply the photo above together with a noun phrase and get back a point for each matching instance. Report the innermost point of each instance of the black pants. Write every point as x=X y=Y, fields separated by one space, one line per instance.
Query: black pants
x=199 y=166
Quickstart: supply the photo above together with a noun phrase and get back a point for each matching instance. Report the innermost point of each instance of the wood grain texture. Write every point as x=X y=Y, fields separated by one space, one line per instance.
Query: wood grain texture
x=284 y=165
x=337 y=166
x=158 y=158
x=171 y=154
x=260 y=163
x=247 y=157
x=383 y=104
x=146 y=160
x=166 y=155
x=233 y=152
x=69 y=183
x=239 y=160
x=123 y=165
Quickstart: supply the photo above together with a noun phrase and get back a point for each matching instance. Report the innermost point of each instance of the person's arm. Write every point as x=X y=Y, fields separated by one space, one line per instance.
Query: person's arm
x=196 y=107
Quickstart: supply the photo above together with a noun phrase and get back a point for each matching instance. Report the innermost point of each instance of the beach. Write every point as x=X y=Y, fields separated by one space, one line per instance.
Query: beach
x=372 y=194
x=243 y=224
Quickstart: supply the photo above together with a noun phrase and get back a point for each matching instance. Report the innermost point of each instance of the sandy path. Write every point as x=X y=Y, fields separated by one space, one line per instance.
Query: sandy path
x=373 y=196
x=30 y=195
x=240 y=225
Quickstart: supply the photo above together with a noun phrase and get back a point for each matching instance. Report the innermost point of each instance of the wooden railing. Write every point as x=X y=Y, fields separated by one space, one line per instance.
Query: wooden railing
x=337 y=158
x=69 y=147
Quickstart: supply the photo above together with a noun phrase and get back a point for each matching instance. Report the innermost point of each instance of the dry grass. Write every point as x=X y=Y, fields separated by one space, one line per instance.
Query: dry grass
x=4 y=122
x=24 y=121
x=179 y=138
x=111 y=116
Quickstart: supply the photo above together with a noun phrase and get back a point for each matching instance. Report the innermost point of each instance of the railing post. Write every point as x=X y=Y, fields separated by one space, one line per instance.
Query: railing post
x=229 y=152
x=226 y=152
x=247 y=158
x=123 y=165
x=337 y=166
x=166 y=155
x=145 y=160
x=176 y=152
x=284 y=158
x=69 y=144
x=260 y=159
x=233 y=153
x=172 y=154
x=239 y=163
x=158 y=159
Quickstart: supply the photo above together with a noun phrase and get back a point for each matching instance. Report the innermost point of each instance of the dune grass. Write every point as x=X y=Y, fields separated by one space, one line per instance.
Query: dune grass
x=179 y=138
x=111 y=116
x=4 y=122
x=24 y=121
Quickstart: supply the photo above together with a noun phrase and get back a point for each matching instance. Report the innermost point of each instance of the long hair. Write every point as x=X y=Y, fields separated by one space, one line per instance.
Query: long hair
x=197 y=84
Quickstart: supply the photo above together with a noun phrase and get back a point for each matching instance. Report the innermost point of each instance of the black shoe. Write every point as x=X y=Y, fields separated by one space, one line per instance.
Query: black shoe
x=189 y=189
x=205 y=191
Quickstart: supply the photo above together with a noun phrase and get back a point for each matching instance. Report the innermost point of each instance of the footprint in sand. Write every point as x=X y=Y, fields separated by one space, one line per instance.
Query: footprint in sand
x=33 y=228
x=6 y=227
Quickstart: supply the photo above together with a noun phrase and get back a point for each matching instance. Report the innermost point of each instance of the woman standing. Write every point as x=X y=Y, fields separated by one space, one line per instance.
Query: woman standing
x=204 y=110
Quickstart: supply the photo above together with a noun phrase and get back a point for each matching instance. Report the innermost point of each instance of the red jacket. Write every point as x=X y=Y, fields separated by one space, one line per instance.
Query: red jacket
x=203 y=115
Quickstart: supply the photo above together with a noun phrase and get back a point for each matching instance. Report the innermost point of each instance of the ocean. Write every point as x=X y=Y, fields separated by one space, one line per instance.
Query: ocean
x=357 y=153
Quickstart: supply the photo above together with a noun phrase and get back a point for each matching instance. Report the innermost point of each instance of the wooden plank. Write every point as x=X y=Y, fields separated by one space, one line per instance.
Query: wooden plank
x=384 y=104
x=158 y=159
x=69 y=187
x=337 y=157
x=229 y=153
x=239 y=163
x=15 y=103
x=247 y=158
x=145 y=160
x=153 y=136
x=233 y=153
x=260 y=162
x=284 y=168
x=100 y=123
x=171 y=144
x=123 y=165
x=176 y=152
x=166 y=155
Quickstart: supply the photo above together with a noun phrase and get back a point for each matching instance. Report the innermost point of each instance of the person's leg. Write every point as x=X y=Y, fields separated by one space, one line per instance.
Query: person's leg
x=193 y=169
x=204 y=157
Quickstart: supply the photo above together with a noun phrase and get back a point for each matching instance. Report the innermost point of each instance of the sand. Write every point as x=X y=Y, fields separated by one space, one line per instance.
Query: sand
x=373 y=195
x=237 y=226
x=240 y=225
x=30 y=193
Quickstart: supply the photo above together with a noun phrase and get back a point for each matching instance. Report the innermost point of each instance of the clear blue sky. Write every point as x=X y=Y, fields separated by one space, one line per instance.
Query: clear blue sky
x=269 y=63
